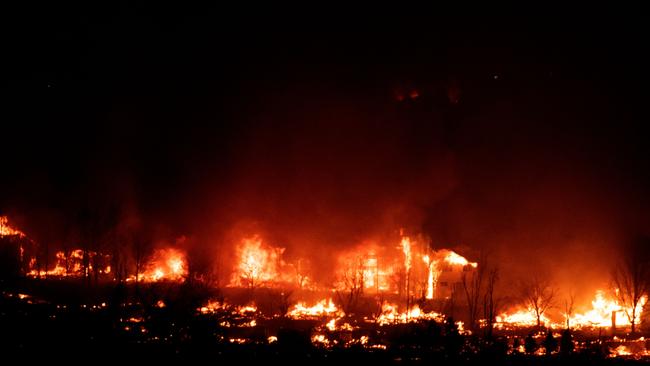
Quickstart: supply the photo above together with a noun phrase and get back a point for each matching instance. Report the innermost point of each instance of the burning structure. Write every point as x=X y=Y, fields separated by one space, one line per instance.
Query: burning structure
x=372 y=191
x=407 y=280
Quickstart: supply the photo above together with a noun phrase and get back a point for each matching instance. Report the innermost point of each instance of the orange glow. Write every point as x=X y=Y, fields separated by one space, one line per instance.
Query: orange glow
x=621 y=350
x=522 y=318
x=211 y=307
x=71 y=264
x=322 y=308
x=367 y=266
x=391 y=315
x=455 y=259
x=258 y=263
x=600 y=315
x=6 y=230
x=411 y=266
x=406 y=249
x=166 y=265
x=430 y=270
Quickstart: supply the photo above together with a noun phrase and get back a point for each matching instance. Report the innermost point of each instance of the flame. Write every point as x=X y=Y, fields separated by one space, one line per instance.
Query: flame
x=212 y=307
x=361 y=267
x=430 y=282
x=331 y=325
x=524 y=318
x=621 y=350
x=600 y=315
x=258 y=264
x=406 y=249
x=320 y=339
x=385 y=269
x=322 y=308
x=390 y=315
x=71 y=264
x=6 y=230
x=167 y=264
x=455 y=259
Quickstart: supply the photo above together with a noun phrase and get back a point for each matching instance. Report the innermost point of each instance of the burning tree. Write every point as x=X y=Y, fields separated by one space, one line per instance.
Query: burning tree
x=538 y=295
x=569 y=308
x=630 y=277
x=351 y=284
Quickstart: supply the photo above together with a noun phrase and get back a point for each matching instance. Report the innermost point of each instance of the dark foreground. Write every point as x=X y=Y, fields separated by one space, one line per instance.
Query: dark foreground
x=34 y=330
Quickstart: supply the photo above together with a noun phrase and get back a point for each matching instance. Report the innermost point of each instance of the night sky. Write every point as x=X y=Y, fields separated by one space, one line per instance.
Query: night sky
x=523 y=137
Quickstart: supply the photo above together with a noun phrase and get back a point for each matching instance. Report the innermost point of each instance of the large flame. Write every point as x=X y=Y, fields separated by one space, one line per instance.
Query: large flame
x=430 y=281
x=605 y=308
x=258 y=264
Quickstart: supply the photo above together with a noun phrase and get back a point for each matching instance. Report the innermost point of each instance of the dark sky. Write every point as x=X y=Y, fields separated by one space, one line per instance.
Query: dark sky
x=206 y=123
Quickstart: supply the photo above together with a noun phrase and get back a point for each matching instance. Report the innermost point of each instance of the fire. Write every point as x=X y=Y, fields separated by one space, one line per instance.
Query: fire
x=258 y=264
x=391 y=315
x=621 y=350
x=601 y=313
x=217 y=306
x=6 y=230
x=430 y=281
x=322 y=308
x=455 y=259
x=409 y=268
x=367 y=267
x=406 y=248
x=331 y=325
x=633 y=349
x=524 y=318
x=211 y=307
x=71 y=264
x=166 y=264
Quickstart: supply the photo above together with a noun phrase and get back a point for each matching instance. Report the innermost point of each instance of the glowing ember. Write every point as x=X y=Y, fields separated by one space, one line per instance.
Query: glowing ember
x=211 y=307
x=320 y=339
